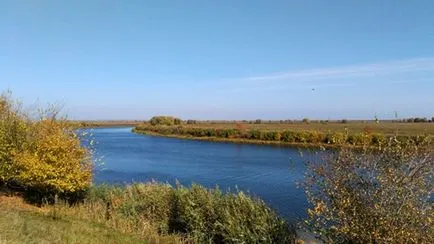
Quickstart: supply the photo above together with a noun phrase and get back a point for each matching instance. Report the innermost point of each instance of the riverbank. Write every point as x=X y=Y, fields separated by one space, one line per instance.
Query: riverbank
x=144 y=213
x=277 y=135
x=238 y=141
x=103 y=123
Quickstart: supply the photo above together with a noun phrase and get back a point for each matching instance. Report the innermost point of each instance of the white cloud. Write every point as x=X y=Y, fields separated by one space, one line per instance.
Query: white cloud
x=375 y=69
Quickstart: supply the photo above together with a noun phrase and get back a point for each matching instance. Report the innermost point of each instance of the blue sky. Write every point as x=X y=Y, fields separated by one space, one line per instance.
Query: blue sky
x=221 y=60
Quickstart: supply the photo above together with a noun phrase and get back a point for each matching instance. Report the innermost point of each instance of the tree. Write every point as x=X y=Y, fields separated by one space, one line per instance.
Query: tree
x=165 y=120
x=41 y=154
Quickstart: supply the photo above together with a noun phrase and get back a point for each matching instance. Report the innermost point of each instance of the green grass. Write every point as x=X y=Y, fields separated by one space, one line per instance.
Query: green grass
x=151 y=212
x=195 y=214
x=29 y=225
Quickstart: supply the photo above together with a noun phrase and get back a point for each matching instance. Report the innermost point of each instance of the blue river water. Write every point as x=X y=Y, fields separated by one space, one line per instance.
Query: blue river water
x=271 y=173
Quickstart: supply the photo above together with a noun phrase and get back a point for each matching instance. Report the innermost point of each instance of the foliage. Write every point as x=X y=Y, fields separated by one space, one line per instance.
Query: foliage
x=281 y=136
x=14 y=128
x=53 y=160
x=417 y=120
x=41 y=154
x=165 y=120
x=190 y=121
x=373 y=196
x=198 y=214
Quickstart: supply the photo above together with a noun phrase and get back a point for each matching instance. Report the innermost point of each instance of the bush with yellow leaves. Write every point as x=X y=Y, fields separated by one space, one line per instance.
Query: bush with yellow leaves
x=373 y=196
x=41 y=155
x=14 y=127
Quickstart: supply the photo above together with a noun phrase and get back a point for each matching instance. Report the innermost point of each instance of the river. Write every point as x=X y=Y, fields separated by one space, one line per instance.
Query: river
x=268 y=172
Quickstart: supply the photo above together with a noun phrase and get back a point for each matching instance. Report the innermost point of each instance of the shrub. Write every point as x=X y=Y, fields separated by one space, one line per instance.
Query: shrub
x=336 y=138
x=373 y=196
x=190 y=121
x=14 y=127
x=288 y=136
x=53 y=160
x=306 y=121
x=165 y=120
x=254 y=135
x=359 y=139
x=378 y=139
x=43 y=155
x=241 y=132
x=177 y=121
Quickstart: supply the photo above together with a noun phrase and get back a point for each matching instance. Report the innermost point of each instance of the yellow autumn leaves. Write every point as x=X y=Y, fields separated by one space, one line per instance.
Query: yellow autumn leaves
x=42 y=154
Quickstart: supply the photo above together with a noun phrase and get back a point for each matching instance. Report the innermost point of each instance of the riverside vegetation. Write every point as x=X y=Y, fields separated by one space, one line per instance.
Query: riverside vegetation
x=42 y=160
x=376 y=195
x=381 y=194
x=301 y=134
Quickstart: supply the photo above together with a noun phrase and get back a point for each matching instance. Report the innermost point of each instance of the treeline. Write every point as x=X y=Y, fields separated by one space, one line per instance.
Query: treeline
x=285 y=136
x=417 y=120
x=169 y=120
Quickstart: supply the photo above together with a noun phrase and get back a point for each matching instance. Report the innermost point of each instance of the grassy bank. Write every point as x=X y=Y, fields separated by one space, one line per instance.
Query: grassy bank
x=150 y=213
x=24 y=223
x=233 y=140
x=42 y=160
x=306 y=135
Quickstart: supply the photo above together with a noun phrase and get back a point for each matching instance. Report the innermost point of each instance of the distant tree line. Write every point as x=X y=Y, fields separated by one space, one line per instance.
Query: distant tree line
x=170 y=120
x=416 y=120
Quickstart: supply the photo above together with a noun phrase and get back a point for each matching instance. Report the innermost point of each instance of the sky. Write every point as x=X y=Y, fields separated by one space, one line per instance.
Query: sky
x=221 y=59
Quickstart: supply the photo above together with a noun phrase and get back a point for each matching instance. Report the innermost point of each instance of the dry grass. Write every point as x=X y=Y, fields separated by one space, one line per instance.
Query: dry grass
x=386 y=128
x=24 y=223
